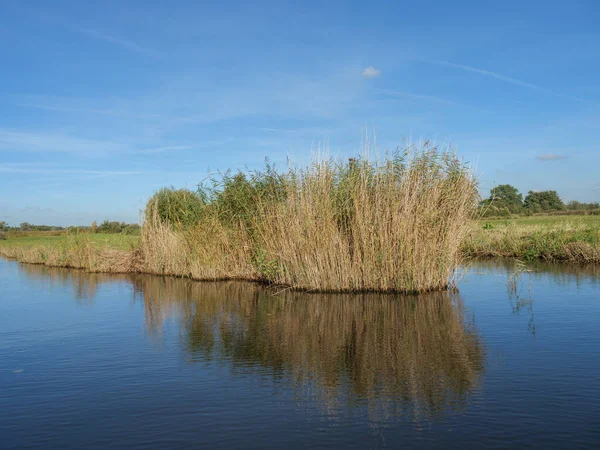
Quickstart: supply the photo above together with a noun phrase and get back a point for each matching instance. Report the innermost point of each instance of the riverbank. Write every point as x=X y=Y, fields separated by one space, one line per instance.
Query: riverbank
x=108 y=253
x=574 y=239
x=553 y=239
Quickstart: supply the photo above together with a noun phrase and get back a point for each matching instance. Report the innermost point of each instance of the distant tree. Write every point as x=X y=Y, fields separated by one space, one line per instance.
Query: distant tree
x=508 y=194
x=114 y=227
x=132 y=229
x=574 y=205
x=94 y=227
x=3 y=226
x=543 y=201
x=503 y=200
x=25 y=226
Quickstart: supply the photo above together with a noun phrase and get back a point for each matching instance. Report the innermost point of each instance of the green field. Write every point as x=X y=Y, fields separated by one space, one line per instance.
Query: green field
x=112 y=241
x=588 y=220
x=551 y=238
x=584 y=220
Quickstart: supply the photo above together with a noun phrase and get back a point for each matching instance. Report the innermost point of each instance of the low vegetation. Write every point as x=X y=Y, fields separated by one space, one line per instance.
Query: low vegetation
x=402 y=225
x=551 y=238
x=96 y=253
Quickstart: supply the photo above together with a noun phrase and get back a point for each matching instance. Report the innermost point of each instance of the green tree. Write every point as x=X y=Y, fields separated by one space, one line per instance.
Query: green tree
x=503 y=200
x=543 y=201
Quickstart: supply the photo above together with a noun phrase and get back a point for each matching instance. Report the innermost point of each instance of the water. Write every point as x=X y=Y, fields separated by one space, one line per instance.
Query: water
x=98 y=361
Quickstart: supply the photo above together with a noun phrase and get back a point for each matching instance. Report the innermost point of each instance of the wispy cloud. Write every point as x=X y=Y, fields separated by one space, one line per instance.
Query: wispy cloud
x=507 y=79
x=123 y=43
x=550 y=157
x=371 y=72
x=16 y=141
x=168 y=148
x=430 y=98
x=98 y=173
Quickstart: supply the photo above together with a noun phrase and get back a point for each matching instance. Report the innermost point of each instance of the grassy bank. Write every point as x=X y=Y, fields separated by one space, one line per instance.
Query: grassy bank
x=550 y=238
x=400 y=225
x=113 y=253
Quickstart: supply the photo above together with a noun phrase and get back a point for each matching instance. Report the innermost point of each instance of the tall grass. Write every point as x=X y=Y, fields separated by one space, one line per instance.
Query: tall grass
x=391 y=225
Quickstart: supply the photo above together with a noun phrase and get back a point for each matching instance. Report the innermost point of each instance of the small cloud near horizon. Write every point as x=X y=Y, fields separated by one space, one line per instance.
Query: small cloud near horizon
x=550 y=157
x=371 y=72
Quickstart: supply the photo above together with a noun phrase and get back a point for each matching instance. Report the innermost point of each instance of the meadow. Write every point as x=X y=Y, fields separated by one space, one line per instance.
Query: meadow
x=50 y=240
x=549 y=238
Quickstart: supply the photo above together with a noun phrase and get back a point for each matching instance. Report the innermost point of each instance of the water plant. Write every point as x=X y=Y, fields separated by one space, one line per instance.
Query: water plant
x=394 y=224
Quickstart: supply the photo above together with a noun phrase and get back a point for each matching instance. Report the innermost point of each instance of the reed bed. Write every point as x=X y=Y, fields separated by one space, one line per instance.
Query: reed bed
x=391 y=225
x=359 y=225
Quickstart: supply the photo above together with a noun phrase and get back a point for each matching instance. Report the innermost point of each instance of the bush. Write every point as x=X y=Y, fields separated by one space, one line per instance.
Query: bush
x=180 y=208
x=2 y=235
x=132 y=229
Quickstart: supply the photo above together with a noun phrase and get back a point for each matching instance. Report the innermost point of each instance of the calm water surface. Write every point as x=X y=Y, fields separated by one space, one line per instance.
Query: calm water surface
x=98 y=361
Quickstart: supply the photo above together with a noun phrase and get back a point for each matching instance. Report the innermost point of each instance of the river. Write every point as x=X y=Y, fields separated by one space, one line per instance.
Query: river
x=138 y=361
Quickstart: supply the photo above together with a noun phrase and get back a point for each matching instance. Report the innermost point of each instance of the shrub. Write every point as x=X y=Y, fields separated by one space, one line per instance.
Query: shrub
x=132 y=229
x=180 y=208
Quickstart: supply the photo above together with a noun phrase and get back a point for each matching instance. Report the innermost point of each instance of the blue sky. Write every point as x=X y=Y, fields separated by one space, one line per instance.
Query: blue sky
x=102 y=103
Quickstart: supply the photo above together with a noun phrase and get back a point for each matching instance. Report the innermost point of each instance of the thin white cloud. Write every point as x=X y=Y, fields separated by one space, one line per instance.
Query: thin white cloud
x=507 y=79
x=277 y=130
x=98 y=173
x=169 y=148
x=430 y=98
x=16 y=141
x=550 y=157
x=371 y=72
x=123 y=43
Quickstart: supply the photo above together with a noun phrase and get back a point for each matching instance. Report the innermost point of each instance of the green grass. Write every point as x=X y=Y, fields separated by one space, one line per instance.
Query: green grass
x=101 y=241
x=546 y=220
x=550 y=238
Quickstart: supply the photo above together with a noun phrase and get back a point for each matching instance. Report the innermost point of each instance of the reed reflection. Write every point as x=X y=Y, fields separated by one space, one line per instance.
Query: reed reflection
x=84 y=285
x=414 y=352
x=416 y=355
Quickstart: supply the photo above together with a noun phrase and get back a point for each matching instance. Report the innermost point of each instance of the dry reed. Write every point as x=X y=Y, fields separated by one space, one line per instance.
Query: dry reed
x=396 y=225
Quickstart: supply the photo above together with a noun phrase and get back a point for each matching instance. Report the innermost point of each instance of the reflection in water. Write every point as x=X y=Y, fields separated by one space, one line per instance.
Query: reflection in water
x=412 y=354
x=416 y=351
x=566 y=275
x=84 y=285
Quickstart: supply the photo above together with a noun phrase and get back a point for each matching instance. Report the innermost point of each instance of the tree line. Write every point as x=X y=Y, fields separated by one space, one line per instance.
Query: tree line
x=106 y=227
x=505 y=200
